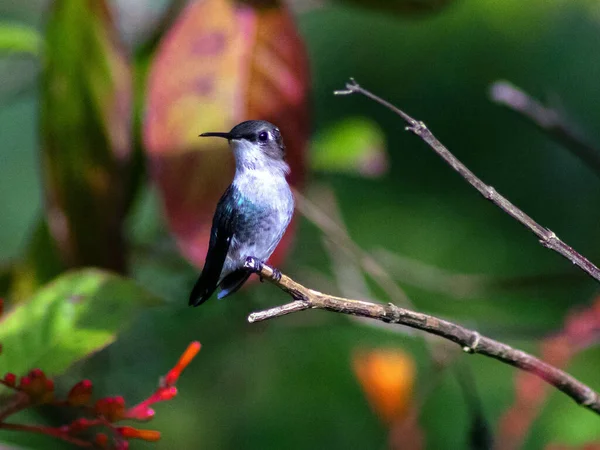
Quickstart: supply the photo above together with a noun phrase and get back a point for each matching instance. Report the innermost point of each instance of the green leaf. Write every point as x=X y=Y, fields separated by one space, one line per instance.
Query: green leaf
x=39 y=265
x=87 y=137
x=79 y=313
x=17 y=38
x=354 y=145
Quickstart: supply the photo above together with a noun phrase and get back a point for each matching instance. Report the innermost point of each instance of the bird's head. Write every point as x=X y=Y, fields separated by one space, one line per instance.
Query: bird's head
x=256 y=144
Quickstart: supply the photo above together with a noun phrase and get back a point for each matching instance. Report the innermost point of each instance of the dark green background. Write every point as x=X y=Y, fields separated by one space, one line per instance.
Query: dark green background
x=289 y=383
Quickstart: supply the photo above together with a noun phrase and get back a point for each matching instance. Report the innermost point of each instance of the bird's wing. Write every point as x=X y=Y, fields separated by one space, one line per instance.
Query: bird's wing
x=220 y=240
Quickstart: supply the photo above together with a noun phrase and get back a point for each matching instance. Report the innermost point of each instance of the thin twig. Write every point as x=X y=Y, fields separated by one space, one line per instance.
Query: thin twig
x=547 y=119
x=547 y=237
x=348 y=258
x=48 y=431
x=350 y=280
x=339 y=237
x=471 y=341
x=13 y=404
x=462 y=286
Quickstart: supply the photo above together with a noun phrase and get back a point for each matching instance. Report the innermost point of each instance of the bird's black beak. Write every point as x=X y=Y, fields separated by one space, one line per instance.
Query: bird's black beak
x=217 y=134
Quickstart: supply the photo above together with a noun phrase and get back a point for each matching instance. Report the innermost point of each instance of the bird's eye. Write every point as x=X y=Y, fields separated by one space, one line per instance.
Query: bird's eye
x=263 y=137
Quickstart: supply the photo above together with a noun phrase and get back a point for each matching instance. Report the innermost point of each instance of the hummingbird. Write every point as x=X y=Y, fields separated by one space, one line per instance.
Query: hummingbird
x=252 y=214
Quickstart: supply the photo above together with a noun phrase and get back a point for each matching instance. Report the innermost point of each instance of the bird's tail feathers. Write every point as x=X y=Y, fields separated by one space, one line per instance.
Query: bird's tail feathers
x=232 y=282
x=202 y=290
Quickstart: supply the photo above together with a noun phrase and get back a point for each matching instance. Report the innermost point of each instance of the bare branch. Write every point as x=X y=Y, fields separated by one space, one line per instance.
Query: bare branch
x=471 y=341
x=547 y=119
x=547 y=237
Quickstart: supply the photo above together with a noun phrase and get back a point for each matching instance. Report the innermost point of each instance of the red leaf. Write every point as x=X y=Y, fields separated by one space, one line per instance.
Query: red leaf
x=220 y=64
x=581 y=329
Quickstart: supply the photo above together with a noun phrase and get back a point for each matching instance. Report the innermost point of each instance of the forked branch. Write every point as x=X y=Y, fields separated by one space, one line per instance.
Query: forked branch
x=471 y=341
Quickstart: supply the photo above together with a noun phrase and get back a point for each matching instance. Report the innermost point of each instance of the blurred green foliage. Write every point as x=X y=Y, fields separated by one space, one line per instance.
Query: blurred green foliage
x=19 y=39
x=77 y=314
x=87 y=146
x=355 y=145
x=289 y=383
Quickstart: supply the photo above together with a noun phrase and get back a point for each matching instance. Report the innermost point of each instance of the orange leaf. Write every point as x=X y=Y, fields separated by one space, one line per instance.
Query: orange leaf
x=220 y=64
x=387 y=377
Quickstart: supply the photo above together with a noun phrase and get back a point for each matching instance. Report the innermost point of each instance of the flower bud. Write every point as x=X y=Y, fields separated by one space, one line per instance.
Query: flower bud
x=112 y=408
x=189 y=354
x=134 y=433
x=80 y=394
x=10 y=379
x=101 y=440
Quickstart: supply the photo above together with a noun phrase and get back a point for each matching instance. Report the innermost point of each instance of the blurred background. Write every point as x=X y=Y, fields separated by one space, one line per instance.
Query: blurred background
x=101 y=103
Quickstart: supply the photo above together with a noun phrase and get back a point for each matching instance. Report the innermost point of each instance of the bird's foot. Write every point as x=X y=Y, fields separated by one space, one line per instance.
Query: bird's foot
x=255 y=265
x=276 y=274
